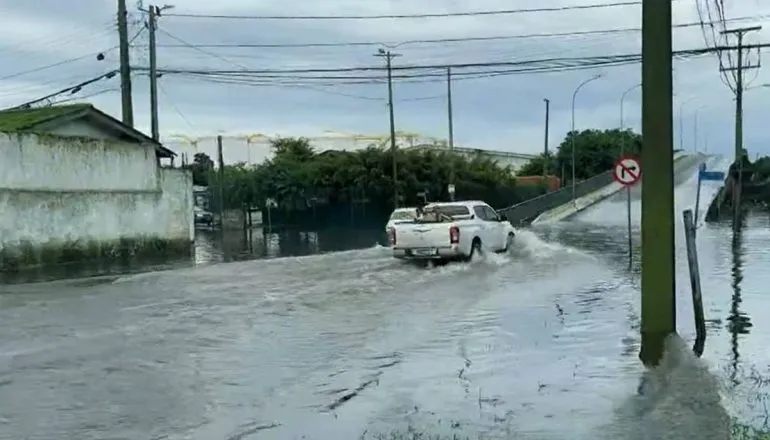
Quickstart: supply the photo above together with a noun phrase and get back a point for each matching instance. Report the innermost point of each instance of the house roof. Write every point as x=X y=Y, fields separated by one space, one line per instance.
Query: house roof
x=44 y=119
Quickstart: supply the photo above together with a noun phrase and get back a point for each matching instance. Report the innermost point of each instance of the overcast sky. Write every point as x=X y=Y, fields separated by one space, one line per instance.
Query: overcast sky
x=504 y=112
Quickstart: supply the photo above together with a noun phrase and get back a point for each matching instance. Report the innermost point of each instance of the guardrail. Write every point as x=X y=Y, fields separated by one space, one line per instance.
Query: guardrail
x=526 y=211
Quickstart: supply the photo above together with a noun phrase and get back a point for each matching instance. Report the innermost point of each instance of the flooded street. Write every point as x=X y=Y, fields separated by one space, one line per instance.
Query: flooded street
x=541 y=343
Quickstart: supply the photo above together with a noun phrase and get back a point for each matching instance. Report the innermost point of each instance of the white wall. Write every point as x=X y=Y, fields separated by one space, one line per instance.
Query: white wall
x=55 y=190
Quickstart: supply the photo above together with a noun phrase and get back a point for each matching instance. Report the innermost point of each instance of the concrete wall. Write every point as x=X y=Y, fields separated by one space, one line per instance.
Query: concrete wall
x=64 y=199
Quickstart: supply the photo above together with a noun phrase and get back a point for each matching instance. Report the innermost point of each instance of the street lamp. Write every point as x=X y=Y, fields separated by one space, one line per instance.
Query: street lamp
x=622 y=124
x=695 y=127
x=574 y=95
x=681 y=123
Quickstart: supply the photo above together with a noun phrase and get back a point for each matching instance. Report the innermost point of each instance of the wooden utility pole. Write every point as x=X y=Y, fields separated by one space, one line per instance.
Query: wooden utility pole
x=151 y=26
x=388 y=55
x=658 y=267
x=546 y=159
x=126 y=99
x=450 y=125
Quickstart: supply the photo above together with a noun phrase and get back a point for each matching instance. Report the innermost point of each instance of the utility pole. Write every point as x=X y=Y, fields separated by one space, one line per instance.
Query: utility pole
x=126 y=99
x=658 y=270
x=738 y=70
x=388 y=55
x=151 y=25
x=546 y=159
x=221 y=175
x=450 y=125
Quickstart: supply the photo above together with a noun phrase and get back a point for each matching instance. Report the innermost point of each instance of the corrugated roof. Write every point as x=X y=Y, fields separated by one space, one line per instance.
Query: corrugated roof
x=27 y=119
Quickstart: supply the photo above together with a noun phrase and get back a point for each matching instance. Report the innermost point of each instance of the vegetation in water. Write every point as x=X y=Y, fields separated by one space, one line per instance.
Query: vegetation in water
x=301 y=180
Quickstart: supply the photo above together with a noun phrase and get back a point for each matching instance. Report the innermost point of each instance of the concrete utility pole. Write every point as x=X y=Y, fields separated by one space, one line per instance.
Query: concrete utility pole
x=388 y=55
x=658 y=267
x=126 y=99
x=151 y=25
x=546 y=159
x=738 y=69
x=221 y=173
x=450 y=126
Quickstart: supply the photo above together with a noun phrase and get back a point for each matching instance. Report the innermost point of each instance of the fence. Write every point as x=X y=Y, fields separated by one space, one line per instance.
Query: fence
x=524 y=212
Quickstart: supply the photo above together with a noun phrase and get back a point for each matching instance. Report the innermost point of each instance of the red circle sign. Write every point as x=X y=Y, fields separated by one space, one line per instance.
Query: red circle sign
x=627 y=170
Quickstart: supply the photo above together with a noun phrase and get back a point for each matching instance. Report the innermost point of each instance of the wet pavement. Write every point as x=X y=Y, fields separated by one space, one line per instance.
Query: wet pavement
x=540 y=344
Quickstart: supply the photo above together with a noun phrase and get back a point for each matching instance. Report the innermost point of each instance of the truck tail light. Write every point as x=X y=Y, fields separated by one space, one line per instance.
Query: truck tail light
x=454 y=235
x=392 y=236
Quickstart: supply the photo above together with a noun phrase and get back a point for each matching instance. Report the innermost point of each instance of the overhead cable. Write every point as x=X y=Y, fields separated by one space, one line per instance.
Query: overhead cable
x=410 y=16
x=536 y=35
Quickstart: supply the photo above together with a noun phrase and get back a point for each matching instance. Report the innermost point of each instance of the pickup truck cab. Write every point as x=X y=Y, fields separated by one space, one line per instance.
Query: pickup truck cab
x=451 y=231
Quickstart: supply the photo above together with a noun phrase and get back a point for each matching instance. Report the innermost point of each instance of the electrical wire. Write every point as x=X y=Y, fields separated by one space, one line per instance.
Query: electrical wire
x=71 y=89
x=604 y=58
x=411 y=16
x=611 y=31
x=67 y=61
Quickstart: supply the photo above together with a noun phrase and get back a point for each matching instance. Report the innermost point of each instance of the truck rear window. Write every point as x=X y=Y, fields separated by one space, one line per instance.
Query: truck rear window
x=450 y=210
x=403 y=215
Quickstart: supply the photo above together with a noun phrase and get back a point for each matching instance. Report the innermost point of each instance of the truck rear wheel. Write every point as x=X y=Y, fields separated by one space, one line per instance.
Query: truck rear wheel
x=475 y=249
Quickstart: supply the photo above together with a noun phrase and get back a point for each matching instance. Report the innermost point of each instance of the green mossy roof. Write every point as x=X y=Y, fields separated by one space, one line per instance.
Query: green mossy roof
x=26 y=119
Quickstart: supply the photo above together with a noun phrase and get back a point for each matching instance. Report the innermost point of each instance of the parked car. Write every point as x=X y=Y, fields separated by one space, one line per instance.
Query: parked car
x=401 y=215
x=203 y=217
x=451 y=231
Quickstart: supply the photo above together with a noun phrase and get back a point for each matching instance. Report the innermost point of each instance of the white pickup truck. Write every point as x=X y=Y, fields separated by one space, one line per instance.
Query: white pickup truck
x=451 y=231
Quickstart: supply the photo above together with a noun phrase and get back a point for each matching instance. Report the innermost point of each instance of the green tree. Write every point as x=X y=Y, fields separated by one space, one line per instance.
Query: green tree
x=595 y=153
x=201 y=168
x=300 y=179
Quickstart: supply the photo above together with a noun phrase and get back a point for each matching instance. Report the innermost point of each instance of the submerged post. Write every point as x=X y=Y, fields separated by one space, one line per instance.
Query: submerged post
x=697 y=297
x=658 y=277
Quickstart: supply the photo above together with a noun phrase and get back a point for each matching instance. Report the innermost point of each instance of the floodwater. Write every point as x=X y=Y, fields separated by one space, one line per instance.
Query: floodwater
x=539 y=344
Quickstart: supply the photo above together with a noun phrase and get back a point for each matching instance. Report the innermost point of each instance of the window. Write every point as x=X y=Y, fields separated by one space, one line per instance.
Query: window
x=479 y=211
x=450 y=210
x=403 y=215
x=491 y=214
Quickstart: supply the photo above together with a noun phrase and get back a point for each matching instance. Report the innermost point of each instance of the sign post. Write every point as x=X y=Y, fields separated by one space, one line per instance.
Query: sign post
x=703 y=174
x=627 y=172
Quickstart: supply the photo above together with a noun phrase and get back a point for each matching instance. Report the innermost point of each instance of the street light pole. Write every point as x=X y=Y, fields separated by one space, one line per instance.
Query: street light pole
x=695 y=128
x=546 y=159
x=622 y=122
x=574 y=95
x=681 y=122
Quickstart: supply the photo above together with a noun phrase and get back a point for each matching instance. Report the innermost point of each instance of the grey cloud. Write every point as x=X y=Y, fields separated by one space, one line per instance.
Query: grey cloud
x=504 y=112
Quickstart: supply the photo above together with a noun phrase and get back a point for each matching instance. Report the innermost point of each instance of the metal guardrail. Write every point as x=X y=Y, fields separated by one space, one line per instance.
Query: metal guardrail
x=524 y=212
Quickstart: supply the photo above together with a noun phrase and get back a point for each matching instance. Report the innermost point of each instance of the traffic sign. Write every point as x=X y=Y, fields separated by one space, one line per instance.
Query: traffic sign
x=627 y=170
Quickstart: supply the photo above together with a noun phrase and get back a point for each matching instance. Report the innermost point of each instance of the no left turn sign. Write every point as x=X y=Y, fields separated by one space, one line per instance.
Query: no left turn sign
x=627 y=170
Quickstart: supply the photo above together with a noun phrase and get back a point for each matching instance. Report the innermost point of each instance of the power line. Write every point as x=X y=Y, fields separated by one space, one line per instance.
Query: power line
x=71 y=90
x=454 y=66
x=410 y=16
x=439 y=40
x=67 y=61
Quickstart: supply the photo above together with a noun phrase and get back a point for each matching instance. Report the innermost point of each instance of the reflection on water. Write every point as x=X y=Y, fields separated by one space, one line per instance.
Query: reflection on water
x=738 y=322
x=215 y=247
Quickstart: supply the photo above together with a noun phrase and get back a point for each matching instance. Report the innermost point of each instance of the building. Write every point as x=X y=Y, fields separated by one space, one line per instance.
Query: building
x=77 y=184
x=503 y=158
